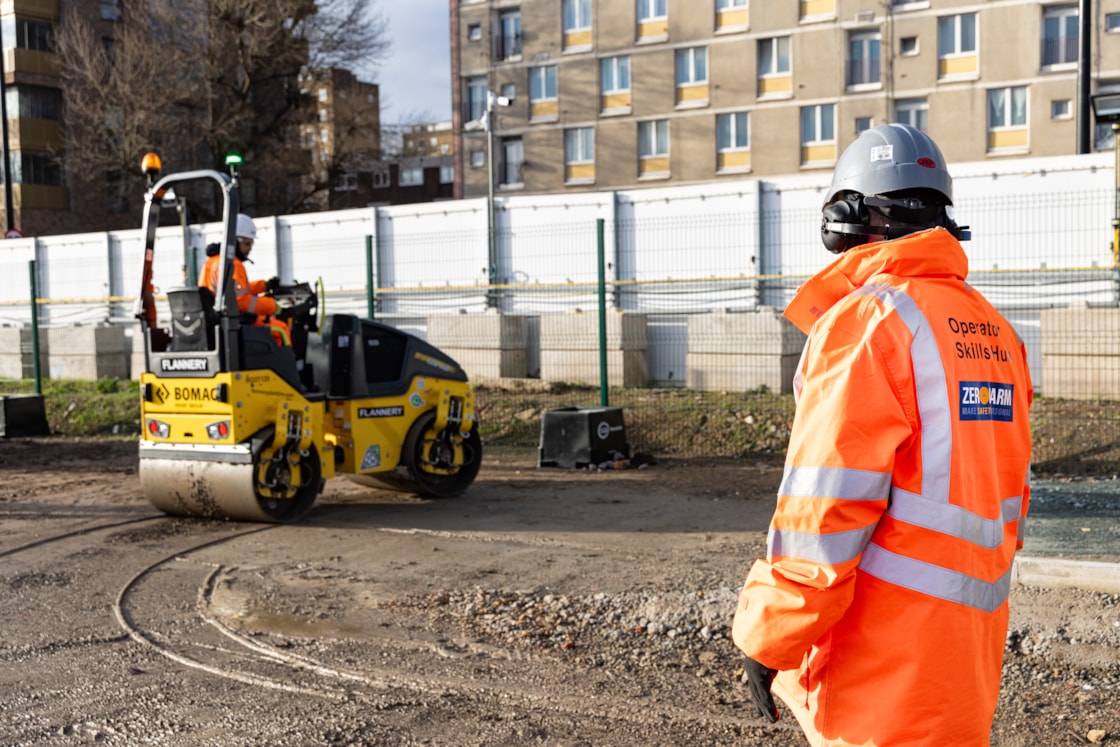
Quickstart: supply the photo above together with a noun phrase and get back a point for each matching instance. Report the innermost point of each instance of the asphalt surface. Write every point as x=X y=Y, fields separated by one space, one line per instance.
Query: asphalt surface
x=1073 y=536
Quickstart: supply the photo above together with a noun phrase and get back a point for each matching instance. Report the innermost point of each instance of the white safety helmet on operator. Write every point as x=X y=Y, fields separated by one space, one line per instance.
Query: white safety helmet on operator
x=246 y=229
x=897 y=171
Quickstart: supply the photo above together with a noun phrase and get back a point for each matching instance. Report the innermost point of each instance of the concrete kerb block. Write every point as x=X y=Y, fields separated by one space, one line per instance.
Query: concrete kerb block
x=16 y=358
x=1058 y=573
x=88 y=352
x=742 y=351
x=490 y=345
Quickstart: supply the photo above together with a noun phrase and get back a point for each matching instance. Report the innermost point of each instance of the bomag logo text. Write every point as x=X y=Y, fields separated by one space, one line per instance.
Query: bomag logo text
x=194 y=393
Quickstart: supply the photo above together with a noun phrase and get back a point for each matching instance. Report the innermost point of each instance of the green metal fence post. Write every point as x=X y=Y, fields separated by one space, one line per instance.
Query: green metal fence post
x=603 y=398
x=35 y=329
x=369 y=277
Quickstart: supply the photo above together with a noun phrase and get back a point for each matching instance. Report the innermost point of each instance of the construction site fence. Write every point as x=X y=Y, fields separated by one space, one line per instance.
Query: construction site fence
x=690 y=264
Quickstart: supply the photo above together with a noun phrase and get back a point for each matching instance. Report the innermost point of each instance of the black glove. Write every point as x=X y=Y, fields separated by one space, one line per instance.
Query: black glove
x=759 y=678
x=271 y=285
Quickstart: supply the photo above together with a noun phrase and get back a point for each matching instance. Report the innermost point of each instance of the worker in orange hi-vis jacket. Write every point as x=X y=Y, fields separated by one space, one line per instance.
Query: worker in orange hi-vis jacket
x=879 y=615
x=252 y=300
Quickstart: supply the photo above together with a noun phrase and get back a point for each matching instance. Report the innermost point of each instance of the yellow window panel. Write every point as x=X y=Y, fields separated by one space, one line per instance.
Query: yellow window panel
x=734 y=159
x=616 y=101
x=767 y=86
x=577 y=39
x=1007 y=139
x=579 y=171
x=817 y=7
x=653 y=166
x=653 y=29
x=969 y=65
x=539 y=109
x=40 y=197
x=734 y=18
x=691 y=94
x=814 y=153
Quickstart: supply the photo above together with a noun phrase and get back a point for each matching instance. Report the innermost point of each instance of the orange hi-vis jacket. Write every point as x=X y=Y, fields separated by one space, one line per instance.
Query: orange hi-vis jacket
x=883 y=596
x=249 y=298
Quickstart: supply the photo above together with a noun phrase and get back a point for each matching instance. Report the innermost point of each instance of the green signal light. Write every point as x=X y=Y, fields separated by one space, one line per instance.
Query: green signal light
x=233 y=160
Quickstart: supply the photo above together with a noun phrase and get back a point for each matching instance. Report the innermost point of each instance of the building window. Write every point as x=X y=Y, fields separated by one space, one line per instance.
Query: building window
x=446 y=174
x=863 y=124
x=818 y=133
x=1061 y=109
x=653 y=148
x=651 y=10
x=576 y=16
x=579 y=154
x=474 y=32
x=513 y=161
x=509 y=90
x=732 y=15
x=692 y=66
x=116 y=191
x=773 y=56
x=346 y=183
x=508 y=43
x=1112 y=22
x=863 y=58
x=542 y=93
x=34 y=102
x=692 y=76
x=956 y=45
x=380 y=179
x=908 y=46
x=733 y=142
x=1007 y=118
x=35 y=168
x=478 y=159
x=774 y=67
x=33 y=35
x=653 y=20
x=110 y=10
x=614 y=83
x=324 y=94
x=914 y=112
x=1007 y=107
x=412 y=177
x=1059 y=35
x=476 y=98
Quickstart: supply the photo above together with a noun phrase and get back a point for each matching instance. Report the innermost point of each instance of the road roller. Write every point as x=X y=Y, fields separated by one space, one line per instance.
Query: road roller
x=238 y=425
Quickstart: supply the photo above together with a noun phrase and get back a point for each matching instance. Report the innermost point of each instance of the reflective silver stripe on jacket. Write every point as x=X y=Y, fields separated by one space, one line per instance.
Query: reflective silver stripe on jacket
x=931 y=509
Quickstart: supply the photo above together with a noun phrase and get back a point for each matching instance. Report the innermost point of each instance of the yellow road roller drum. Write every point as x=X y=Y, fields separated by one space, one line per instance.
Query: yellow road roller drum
x=237 y=425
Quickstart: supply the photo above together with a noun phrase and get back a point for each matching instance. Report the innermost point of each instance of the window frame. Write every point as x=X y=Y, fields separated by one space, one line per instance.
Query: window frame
x=1009 y=105
x=774 y=58
x=958 y=35
x=918 y=107
x=733 y=131
x=1066 y=45
x=653 y=130
x=603 y=90
x=693 y=62
x=586 y=142
x=818 y=124
x=411 y=181
x=508 y=45
x=871 y=42
x=580 y=8
x=505 y=164
x=648 y=10
x=474 y=84
x=553 y=79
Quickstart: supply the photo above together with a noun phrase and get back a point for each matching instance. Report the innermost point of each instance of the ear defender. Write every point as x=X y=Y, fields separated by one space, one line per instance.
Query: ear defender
x=841 y=223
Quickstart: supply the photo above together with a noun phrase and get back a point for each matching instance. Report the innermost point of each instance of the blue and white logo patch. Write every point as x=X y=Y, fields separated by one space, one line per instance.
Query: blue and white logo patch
x=987 y=400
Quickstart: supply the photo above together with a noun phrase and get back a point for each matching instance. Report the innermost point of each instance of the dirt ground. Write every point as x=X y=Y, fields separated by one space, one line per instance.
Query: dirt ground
x=545 y=606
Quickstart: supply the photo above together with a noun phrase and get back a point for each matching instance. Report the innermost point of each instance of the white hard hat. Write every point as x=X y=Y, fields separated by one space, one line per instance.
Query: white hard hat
x=246 y=229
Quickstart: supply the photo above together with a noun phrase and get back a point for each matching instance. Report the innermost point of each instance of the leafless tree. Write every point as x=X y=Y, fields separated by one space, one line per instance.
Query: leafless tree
x=197 y=79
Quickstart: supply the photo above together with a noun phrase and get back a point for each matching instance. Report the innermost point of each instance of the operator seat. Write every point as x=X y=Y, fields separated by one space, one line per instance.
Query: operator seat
x=192 y=318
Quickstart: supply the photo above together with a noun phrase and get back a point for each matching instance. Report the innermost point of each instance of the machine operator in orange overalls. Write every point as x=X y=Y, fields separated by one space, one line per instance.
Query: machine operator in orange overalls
x=251 y=295
x=880 y=613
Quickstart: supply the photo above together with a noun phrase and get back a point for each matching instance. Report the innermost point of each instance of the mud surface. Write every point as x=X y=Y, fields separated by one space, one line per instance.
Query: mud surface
x=543 y=607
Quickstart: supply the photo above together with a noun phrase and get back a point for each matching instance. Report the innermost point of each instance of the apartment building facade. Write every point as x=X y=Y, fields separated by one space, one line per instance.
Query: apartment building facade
x=608 y=94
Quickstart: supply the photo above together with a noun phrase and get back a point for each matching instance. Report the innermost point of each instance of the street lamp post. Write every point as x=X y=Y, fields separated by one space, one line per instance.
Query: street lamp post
x=491 y=237
x=1106 y=110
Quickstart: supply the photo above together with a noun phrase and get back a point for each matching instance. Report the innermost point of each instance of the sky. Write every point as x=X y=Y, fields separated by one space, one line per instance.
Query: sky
x=416 y=77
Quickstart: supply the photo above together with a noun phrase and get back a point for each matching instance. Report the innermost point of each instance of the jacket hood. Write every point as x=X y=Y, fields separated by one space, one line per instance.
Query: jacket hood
x=930 y=253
